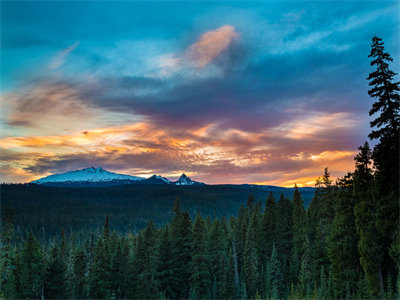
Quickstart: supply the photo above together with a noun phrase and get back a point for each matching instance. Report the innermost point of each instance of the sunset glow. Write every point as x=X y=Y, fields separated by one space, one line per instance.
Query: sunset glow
x=224 y=93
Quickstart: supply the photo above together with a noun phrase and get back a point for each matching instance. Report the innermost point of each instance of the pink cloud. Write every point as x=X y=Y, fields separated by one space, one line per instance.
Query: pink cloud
x=211 y=44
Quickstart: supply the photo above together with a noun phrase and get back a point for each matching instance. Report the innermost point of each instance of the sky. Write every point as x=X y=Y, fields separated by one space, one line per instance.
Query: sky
x=266 y=92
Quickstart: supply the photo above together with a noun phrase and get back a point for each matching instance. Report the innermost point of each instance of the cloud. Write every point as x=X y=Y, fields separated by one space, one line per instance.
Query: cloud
x=210 y=153
x=252 y=101
x=207 y=49
x=60 y=58
x=211 y=44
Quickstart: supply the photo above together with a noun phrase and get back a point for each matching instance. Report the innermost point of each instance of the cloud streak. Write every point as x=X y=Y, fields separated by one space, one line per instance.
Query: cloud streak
x=60 y=58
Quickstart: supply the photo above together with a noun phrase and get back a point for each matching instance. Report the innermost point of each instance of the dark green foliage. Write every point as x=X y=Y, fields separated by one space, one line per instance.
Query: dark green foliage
x=30 y=269
x=365 y=213
x=145 y=263
x=343 y=240
x=46 y=210
x=165 y=265
x=285 y=238
x=7 y=257
x=299 y=234
x=55 y=285
x=80 y=274
x=200 y=282
x=277 y=283
x=269 y=225
x=385 y=129
x=321 y=214
x=181 y=238
x=307 y=271
x=250 y=268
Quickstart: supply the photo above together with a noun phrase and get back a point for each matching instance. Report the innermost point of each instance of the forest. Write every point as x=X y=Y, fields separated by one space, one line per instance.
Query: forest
x=46 y=211
x=344 y=245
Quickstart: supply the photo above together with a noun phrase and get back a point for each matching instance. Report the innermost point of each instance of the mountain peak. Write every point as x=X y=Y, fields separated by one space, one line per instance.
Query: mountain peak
x=185 y=180
x=90 y=174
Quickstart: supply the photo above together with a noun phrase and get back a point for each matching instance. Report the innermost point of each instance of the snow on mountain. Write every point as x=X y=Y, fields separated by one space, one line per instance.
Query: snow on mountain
x=86 y=175
x=162 y=178
x=157 y=179
x=185 y=180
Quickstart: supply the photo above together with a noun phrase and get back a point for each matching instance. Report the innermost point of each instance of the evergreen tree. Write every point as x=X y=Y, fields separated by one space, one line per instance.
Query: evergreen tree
x=217 y=246
x=55 y=285
x=320 y=218
x=250 y=269
x=306 y=276
x=285 y=240
x=276 y=272
x=99 y=276
x=181 y=239
x=365 y=212
x=299 y=234
x=343 y=240
x=145 y=263
x=30 y=266
x=165 y=266
x=200 y=277
x=269 y=225
x=385 y=129
x=8 y=286
x=80 y=274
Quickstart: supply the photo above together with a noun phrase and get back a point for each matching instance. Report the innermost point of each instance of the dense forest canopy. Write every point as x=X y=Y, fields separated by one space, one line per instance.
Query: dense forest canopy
x=344 y=245
x=81 y=211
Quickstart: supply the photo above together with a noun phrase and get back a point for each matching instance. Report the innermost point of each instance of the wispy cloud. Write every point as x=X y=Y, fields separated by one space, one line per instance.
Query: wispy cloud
x=60 y=58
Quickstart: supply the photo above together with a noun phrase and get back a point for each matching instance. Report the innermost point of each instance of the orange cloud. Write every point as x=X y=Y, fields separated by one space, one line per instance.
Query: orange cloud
x=211 y=44
x=208 y=47
x=209 y=153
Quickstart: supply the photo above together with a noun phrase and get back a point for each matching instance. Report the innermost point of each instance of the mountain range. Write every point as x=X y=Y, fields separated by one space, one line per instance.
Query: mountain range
x=100 y=177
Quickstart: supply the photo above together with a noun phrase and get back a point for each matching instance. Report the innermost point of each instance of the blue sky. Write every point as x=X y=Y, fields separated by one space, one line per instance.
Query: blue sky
x=266 y=91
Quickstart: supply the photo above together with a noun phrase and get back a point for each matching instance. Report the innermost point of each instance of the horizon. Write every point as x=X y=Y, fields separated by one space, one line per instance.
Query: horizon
x=265 y=93
x=172 y=179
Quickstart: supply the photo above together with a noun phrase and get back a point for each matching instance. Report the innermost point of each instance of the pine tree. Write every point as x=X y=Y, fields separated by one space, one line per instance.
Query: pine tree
x=99 y=276
x=181 y=240
x=285 y=241
x=200 y=277
x=145 y=263
x=165 y=265
x=276 y=272
x=365 y=213
x=269 y=225
x=8 y=286
x=250 y=269
x=343 y=240
x=80 y=274
x=306 y=271
x=30 y=266
x=55 y=285
x=386 y=91
x=299 y=234
x=385 y=129
x=320 y=218
x=217 y=246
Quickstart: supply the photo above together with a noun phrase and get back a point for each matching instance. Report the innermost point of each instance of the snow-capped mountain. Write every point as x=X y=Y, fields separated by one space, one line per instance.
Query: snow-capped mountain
x=185 y=180
x=156 y=179
x=87 y=175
